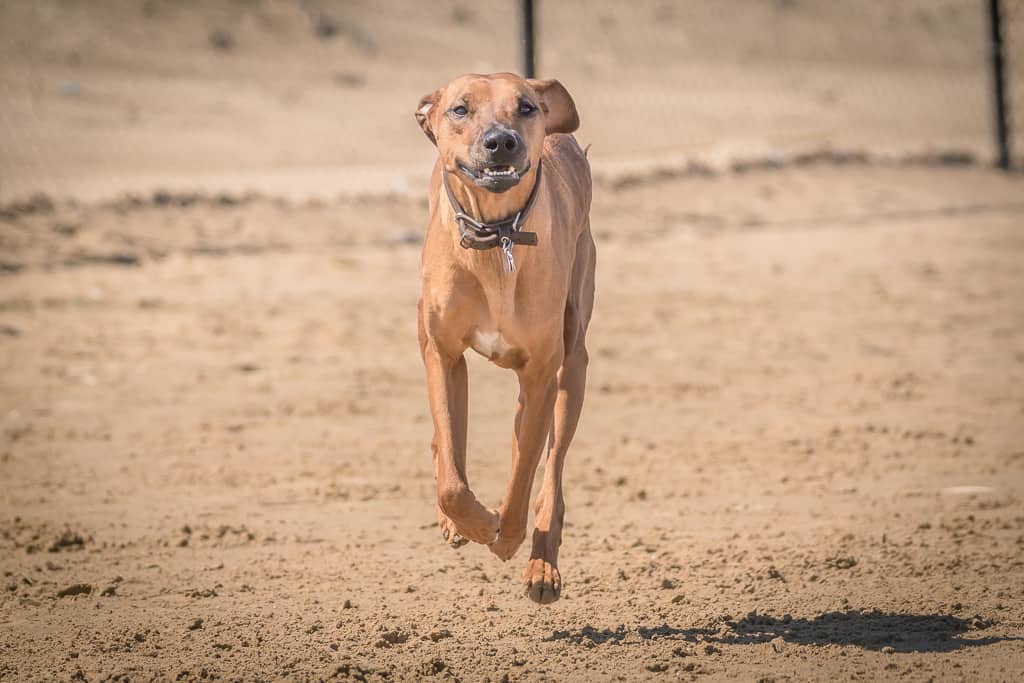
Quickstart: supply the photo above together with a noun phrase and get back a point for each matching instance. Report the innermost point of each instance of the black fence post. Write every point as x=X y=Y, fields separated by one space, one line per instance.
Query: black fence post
x=529 y=65
x=999 y=85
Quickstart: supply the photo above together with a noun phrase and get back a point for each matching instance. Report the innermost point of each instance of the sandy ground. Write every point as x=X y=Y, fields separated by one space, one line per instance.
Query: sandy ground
x=802 y=453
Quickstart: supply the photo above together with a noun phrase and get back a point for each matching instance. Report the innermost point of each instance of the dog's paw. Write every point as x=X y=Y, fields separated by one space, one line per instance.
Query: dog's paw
x=507 y=543
x=481 y=528
x=468 y=518
x=449 y=533
x=542 y=580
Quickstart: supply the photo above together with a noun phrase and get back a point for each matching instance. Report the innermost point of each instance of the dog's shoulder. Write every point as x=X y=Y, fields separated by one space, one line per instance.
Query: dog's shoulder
x=566 y=160
x=565 y=145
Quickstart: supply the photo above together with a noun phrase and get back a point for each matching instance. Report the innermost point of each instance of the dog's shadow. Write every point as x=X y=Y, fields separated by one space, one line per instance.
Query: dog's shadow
x=869 y=630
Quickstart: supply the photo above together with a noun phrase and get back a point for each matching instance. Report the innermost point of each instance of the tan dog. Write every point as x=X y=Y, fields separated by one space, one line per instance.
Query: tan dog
x=508 y=270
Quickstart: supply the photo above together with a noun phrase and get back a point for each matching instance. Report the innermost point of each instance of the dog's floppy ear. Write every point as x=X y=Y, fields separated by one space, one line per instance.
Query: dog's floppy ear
x=425 y=111
x=559 y=110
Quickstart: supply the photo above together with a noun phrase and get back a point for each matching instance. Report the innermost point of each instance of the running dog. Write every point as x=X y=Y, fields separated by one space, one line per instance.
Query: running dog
x=508 y=271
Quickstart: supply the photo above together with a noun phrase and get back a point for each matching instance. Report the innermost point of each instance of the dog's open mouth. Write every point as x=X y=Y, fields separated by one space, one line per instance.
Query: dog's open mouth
x=496 y=178
x=499 y=171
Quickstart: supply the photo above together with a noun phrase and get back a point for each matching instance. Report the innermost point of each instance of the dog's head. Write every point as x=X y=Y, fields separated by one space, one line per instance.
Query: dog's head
x=490 y=129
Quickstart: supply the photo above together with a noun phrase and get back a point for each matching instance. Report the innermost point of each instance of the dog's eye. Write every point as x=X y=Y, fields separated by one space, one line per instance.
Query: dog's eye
x=459 y=111
x=525 y=108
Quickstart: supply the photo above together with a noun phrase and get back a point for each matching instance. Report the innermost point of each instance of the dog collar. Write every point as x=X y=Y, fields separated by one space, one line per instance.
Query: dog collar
x=476 y=234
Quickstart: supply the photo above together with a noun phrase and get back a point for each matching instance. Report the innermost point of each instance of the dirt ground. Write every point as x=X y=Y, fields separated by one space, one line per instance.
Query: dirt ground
x=801 y=456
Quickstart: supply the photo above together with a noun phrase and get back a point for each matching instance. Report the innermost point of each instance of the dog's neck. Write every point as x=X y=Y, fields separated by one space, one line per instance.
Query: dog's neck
x=488 y=207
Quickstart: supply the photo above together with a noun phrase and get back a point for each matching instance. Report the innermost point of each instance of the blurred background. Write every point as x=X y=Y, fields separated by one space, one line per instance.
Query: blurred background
x=313 y=97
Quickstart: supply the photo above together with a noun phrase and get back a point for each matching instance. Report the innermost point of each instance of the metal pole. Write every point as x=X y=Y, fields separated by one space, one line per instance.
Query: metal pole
x=529 y=64
x=999 y=85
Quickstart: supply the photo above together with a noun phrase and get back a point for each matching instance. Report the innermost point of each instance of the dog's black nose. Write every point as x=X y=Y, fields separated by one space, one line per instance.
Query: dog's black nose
x=501 y=144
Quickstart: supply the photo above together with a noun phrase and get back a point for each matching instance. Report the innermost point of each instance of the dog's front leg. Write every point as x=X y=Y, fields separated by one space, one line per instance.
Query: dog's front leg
x=537 y=389
x=448 y=389
x=542 y=578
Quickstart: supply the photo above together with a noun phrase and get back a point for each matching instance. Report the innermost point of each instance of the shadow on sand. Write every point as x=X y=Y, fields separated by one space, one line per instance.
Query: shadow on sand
x=870 y=630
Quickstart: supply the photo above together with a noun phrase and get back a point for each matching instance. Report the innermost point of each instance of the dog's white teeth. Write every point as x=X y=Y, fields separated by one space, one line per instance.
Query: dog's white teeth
x=500 y=171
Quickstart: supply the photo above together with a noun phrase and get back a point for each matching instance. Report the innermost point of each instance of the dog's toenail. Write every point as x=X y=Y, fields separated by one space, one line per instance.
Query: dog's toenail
x=445 y=534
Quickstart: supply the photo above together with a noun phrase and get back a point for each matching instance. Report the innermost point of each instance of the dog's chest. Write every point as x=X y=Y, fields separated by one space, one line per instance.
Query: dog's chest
x=492 y=345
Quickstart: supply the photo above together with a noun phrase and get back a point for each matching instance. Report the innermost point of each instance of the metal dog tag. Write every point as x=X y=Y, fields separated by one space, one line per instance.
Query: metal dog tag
x=506 y=248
